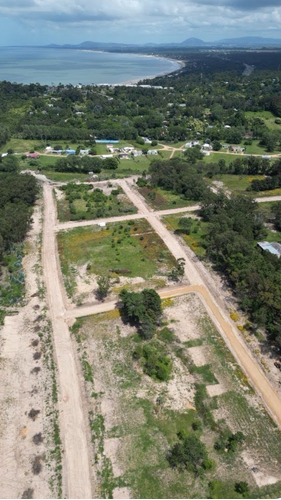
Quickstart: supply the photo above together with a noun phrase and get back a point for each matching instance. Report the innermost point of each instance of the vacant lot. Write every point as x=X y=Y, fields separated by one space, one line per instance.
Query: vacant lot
x=131 y=249
x=237 y=183
x=135 y=420
x=83 y=202
x=160 y=199
x=197 y=234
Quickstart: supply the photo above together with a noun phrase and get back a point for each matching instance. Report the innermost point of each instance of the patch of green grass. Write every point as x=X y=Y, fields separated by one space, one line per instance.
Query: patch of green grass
x=255 y=149
x=237 y=183
x=83 y=202
x=132 y=166
x=267 y=117
x=131 y=249
x=2 y=316
x=215 y=157
x=64 y=176
x=160 y=199
x=262 y=435
x=206 y=374
x=19 y=145
x=273 y=236
x=87 y=370
x=272 y=192
x=193 y=343
x=195 y=240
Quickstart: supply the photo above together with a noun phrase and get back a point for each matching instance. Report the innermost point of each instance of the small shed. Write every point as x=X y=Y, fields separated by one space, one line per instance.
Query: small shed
x=272 y=247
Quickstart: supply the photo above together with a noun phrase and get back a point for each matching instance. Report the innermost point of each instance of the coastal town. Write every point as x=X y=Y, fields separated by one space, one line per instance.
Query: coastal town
x=140 y=243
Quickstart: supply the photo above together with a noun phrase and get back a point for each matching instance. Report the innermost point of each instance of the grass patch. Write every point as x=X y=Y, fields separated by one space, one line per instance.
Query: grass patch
x=132 y=249
x=237 y=183
x=160 y=199
x=82 y=202
x=195 y=240
x=215 y=157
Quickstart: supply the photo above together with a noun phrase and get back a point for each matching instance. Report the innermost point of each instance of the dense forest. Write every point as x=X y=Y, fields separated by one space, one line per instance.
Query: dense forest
x=17 y=196
x=211 y=92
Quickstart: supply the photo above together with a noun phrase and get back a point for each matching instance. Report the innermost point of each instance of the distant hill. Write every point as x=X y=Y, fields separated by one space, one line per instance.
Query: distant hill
x=242 y=42
x=250 y=41
x=195 y=42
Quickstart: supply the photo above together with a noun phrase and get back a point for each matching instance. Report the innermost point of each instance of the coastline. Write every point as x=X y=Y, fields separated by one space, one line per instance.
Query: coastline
x=135 y=81
x=29 y=58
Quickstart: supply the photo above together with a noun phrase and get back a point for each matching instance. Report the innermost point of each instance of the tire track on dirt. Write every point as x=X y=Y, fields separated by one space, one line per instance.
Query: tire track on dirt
x=76 y=472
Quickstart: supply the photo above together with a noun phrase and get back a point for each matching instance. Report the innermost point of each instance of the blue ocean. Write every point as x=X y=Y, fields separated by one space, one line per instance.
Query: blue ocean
x=52 y=66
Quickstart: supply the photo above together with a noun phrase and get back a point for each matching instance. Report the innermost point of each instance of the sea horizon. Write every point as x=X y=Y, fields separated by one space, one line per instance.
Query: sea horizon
x=75 y=66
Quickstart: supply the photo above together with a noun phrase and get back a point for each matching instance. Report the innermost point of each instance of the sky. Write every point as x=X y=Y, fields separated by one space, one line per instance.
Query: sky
x=40 y=22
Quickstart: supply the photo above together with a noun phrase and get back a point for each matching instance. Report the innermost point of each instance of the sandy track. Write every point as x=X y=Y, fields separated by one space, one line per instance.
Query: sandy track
x=72 y=224
x=73 y=428
x=217 y=313
x=262 y=199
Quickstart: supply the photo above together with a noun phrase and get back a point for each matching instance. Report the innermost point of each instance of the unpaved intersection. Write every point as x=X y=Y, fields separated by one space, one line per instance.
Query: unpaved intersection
x=73 y=422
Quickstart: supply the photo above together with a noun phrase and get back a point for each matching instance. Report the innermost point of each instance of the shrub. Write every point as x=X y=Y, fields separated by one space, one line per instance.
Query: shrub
x=155 y=361
x=189 y=453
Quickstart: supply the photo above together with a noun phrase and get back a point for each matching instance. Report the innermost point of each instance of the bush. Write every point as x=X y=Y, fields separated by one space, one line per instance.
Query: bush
x=229 y=442
x=155 y=361
x=189 y=453
x=243 y=488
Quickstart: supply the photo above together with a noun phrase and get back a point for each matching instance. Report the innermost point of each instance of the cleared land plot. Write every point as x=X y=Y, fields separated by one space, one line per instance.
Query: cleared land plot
x=160 y=199
x=196 y=237
x=135 y=420
x=237 y=183
x=215 y=157
x=268 y=118
x=131 y=166
x=84 y=202
x=129 y=249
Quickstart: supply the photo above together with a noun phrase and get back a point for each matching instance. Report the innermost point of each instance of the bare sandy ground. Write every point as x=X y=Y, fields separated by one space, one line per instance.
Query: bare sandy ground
x=22 y=390
x=197 y=277
x=73 y=425
x=74 y=429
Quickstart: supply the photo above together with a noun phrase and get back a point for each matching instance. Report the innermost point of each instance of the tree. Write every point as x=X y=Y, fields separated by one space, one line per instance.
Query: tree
x=177 y=271
x=9 y=163
x=110 y=163
x=216 y=145
x=243 y=488
x=276 y=211
x=142 y=309
x=103 y=287
x=185 y=224
x=189 y=453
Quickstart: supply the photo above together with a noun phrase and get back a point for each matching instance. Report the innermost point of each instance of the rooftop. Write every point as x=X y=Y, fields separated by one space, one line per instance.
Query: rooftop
x=273 y=247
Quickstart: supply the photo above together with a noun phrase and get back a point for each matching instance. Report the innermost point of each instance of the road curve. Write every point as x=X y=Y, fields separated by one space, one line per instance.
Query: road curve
x=76 y=472
x=220 y=317
x=241 y=353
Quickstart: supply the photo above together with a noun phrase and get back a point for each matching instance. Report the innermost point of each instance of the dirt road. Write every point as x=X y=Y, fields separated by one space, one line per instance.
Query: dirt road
x=241 y=353
x=220 y=317
x=73 y=427
x=73 y=423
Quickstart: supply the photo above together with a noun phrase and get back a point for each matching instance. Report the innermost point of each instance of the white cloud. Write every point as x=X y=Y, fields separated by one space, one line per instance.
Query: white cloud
x=166 y=19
